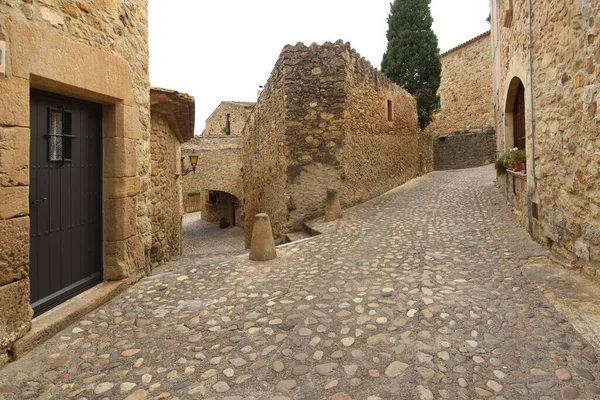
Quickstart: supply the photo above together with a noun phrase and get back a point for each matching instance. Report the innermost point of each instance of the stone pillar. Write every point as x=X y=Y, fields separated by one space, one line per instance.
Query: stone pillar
x=262 y=247
x=333 y=209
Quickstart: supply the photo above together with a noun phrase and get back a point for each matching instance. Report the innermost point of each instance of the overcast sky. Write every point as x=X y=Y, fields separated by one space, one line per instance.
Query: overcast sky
x=223 y=50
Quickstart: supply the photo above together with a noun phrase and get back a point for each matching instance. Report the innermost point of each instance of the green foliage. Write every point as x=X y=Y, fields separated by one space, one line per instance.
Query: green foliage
x=500 y=167
x=516 y=156
x=490 y=130
x=412 y=59
x=224 y=223
x=509 y=157
x=194 y=194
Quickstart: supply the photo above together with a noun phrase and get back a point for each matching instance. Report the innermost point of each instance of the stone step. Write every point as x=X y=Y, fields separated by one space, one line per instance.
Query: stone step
x=296 y=236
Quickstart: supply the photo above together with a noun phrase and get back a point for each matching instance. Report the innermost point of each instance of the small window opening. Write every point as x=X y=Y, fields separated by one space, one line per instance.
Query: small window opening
x=60 y=137
x=390 y=111
x=228 y=125
x=212 y=197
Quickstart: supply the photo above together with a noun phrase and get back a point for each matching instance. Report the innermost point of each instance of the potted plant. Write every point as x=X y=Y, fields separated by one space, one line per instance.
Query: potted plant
x=513 y=159
x=224 y=223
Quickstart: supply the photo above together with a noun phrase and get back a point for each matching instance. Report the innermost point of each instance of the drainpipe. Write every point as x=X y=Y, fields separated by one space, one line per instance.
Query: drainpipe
x=531 y=88
x=531 y=189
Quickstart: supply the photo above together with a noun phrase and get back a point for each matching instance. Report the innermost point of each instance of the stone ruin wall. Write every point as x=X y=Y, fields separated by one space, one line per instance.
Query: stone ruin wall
x=264 y=158
x=566 y=65
x=119 y=29
x=166 y=207
x=466 y=89
x=217 y=121
x=315 y=80
x=334 y=120
x=378 y=155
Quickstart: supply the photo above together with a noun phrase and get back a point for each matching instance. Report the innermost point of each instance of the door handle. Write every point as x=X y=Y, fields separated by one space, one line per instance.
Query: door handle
x=38 y=201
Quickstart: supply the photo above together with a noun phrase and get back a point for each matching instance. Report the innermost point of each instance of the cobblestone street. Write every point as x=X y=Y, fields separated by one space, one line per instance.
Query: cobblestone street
x=416 y=294
x=201 y=237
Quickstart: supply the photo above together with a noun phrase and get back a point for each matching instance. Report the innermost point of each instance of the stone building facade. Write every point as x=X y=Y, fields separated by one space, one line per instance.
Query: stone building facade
x=172 y=117
x=466 y=101
x=228 y=119
x=546 y=102
x=75 y=164
x=326 y=118
x=218 y=176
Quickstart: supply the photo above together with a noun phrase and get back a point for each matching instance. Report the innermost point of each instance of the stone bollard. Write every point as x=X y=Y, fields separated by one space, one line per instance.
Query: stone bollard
x=333 y=209
x=262 y=247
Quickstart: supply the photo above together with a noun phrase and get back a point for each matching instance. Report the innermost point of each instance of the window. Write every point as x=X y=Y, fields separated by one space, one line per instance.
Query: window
x=60 y=138
x=390 y=111
x=212 y=197
x=438 y=105
x=228 y=125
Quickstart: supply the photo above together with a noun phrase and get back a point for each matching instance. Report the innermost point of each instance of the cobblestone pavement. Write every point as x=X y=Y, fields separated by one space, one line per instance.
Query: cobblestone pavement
x=414 y=295
x=200 y=237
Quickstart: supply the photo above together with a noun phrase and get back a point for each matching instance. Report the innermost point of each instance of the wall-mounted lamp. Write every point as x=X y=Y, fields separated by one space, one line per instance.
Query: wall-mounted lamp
x=193 y=161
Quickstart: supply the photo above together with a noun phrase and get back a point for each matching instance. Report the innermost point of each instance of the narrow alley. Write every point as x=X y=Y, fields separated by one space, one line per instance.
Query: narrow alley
x=416 y=294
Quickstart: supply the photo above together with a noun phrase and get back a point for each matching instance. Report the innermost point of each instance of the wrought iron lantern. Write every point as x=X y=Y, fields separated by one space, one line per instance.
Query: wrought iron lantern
x=193 y=162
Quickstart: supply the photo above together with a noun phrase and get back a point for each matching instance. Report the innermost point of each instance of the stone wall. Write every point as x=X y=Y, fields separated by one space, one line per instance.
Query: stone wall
x=378 y=154
x=219 y=165
x=216 y=124
x=166 y=208
x=466 y=88
x=564 y=165
x=97 y=51
x=425 y=153
x=322 y=121
x=264 y=158
x=463 y=151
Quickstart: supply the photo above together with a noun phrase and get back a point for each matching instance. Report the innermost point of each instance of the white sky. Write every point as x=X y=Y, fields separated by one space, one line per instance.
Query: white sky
x=224 y=49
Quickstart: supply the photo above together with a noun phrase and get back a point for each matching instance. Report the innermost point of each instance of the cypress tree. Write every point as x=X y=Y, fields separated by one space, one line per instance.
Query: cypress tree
x=412 y=59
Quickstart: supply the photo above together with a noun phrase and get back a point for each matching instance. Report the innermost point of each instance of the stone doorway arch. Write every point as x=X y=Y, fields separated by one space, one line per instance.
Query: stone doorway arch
x=515 y=126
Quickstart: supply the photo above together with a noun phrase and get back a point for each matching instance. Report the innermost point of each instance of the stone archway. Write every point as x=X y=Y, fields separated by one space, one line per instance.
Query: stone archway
x=221 y=204
x=515 y=126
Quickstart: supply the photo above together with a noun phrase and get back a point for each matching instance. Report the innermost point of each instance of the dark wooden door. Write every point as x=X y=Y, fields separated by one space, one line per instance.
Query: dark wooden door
x=65 y=198
x=519 y=118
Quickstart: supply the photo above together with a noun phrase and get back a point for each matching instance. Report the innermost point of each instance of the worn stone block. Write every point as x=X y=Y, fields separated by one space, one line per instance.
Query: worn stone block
x=124 y=259
x=14 y=201
x=14 y=249
x=121 y=121
x=110 y=6
x=14 y=107
x=121 y=160
x=14 y=156
x=119 y=219
x=121 y=187
x=15 y=318
x=582 y=250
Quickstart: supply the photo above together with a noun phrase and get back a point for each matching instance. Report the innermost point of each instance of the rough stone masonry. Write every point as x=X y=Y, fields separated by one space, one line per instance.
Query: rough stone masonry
x=326 y=118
